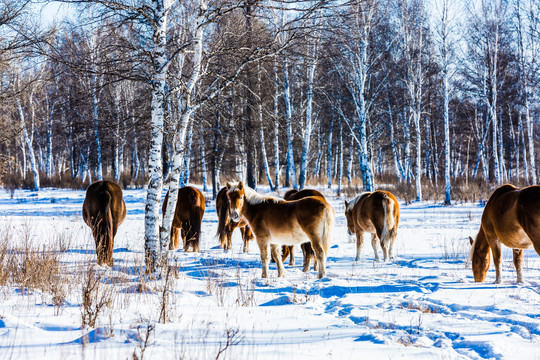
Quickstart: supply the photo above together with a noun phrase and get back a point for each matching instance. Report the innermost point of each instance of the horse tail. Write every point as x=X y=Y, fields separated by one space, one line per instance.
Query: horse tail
x=104 y=227
x=389 y=224
x=328 y=225
x=223 y=218
x=195 y=219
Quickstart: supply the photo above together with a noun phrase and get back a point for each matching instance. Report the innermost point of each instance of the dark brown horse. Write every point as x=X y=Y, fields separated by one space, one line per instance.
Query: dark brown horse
x=307 y=250
x=376 y=213
x=226 y=226
x=278 y=222
x=511 y=217
x=104 y=210
x=188 y=217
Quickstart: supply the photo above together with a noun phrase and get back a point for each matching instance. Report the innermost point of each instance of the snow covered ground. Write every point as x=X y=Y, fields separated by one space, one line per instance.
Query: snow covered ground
x=425 y=304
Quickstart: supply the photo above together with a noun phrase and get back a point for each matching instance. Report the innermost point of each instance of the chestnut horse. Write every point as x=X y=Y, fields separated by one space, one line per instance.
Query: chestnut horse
x=278 y=222
x=187 y=216
x=376 y=213
x=511 y=217
x=103 y=211
x=307 y=250
x=226 y=226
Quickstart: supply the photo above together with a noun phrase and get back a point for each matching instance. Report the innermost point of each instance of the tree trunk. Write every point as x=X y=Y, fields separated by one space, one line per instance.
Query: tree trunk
x=155 y=169
x=309 y=119
x=28 y=140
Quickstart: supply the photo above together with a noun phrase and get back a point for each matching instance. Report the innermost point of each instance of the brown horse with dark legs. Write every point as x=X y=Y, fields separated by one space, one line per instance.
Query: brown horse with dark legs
x=104 y=210
x=307 y=250
x=376 y=213
x=511 y=217
x=226 y=226
x=278 y=222
x=188 y=217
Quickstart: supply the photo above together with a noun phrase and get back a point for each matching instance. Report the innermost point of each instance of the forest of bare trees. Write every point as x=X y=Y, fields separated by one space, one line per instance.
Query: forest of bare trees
x=280 y=93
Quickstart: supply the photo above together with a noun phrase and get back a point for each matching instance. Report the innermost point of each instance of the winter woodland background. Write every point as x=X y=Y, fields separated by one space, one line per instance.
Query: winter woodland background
x=435 y=99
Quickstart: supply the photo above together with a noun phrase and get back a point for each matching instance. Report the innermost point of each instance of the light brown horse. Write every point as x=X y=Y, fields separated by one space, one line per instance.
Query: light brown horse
x=511 y=217
x=188 y=217
x=307 y=250
x=278 y=222
x=376 y=213
x=104 y=210
x=226 y=226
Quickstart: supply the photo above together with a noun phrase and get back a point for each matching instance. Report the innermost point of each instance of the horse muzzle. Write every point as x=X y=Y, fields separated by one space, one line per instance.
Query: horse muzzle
x=235 y=216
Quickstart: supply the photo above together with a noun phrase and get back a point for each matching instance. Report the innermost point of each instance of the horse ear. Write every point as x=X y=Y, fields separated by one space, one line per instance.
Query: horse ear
x=346 y=204
x=471 y=240
x=240 y=185
x=228 y=185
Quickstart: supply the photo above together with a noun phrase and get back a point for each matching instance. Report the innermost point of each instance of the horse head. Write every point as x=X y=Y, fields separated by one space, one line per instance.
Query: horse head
x=236 y=195
x=350 y=220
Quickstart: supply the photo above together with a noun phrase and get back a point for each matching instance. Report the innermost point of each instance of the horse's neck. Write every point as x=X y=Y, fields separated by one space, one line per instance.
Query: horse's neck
x=254 y=203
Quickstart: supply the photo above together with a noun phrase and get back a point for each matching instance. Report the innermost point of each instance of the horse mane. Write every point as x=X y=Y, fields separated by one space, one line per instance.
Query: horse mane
x=353 y=202
x=471 y=252
x=253 y=197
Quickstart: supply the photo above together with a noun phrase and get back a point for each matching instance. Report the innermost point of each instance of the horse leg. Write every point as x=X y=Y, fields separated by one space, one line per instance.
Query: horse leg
x=276 y=254
x=496 y=252
x=246 y=236
x=265 y=256
x=375 y=245
x=228 y=245
x=185 y=237
x=291 y=255
x=518 y=261
x=307 y=256
x=359 y=242
x=320 y=256
x=175 y=234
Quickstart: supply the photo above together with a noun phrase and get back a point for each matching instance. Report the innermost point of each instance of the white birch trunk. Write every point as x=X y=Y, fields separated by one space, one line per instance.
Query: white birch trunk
x=309 y=119
x=276 y=131
x=95 y=100
x=203 y=163
x=155 y=169
x=523 y=145
x=186 y=110
x=446 y=115
x=291 y=171
x=329 y=168
x=28 y=140
x=340 y=158
x=530 y=141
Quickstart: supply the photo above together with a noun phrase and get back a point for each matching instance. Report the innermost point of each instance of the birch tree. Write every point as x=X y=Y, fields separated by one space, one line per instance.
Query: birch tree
x=411 y=17
x=527 y=30
x=445 y=28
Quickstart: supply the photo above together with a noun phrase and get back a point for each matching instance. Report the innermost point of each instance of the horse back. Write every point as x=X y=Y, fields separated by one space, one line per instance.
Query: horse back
x=297 y=195
x=101 y=197
x=370 y=210
x=528 y=214
x=501 y=206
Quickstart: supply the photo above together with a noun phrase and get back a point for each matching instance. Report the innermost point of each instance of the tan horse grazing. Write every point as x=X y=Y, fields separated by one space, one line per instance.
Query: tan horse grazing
x=103 y=211
x=226 y=226
x=511 y=217
x=376 y=213
x=307 y=250
x=188 y=217
x=278 y=222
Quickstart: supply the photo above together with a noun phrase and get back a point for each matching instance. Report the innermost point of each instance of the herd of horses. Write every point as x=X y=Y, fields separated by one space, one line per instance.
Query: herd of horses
x=511 y=217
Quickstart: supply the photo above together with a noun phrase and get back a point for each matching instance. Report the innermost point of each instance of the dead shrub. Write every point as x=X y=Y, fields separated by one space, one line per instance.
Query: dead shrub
x=96 y=296
x=29 y=267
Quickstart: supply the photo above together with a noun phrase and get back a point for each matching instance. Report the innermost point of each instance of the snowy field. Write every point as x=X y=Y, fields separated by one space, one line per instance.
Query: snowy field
x=424 y=305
